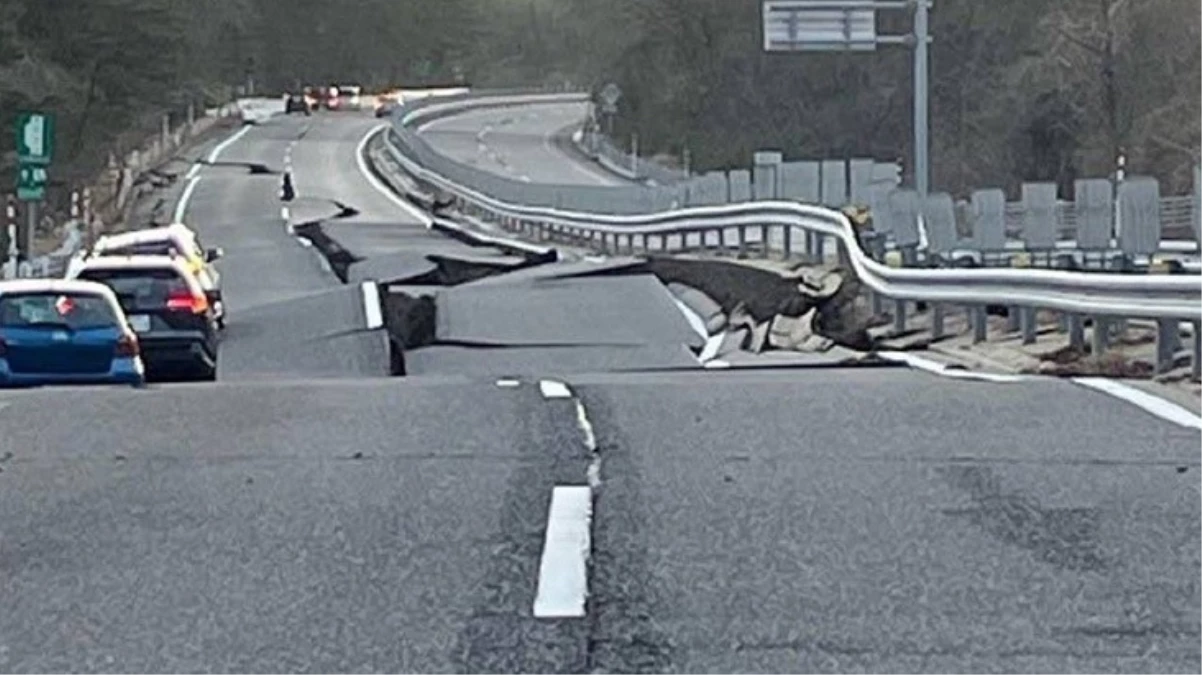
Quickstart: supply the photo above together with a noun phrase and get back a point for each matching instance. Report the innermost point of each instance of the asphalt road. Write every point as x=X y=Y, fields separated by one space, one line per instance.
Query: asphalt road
x=302 y=515
x=517 y=142
x=288 y=314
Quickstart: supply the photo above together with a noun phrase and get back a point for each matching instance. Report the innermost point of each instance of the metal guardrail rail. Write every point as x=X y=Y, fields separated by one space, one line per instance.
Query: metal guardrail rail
x=1166 y=298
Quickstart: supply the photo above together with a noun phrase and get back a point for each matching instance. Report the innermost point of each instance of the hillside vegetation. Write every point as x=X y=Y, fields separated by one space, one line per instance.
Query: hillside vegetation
x=1022 y=89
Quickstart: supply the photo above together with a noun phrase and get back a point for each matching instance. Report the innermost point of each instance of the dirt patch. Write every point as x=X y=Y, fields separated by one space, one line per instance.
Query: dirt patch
x=1071 y=362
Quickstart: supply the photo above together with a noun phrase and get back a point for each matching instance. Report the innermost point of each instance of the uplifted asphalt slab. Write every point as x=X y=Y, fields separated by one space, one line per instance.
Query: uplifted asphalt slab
x=627 y=310
x=323 y=334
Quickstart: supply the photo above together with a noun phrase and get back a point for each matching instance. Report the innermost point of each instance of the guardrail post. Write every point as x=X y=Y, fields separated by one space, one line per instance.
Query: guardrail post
x=1076 y=331
x=1168 y=341
x=1027 y=317
x=1196 y=370
x=1100 y=336
x=980 y=324
x=937 y=313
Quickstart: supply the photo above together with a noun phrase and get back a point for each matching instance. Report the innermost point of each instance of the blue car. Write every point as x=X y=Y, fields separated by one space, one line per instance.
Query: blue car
x=57 y=331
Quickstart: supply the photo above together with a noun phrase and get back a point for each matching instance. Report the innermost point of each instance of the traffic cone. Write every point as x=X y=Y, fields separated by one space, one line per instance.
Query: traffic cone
x=287 y=192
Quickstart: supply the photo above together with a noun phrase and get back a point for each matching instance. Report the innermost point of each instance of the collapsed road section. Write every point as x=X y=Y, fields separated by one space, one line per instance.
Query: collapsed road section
x=608 y=313
x=618 y=314
x=503 y=307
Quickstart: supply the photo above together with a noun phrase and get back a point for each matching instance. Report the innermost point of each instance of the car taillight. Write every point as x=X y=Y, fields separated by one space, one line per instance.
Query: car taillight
x=128 y=345
x=184 y=301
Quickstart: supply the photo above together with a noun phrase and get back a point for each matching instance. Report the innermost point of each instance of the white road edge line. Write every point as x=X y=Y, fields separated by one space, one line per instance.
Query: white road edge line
x=1157 y=406
x=606 y=179
x=937 y=368
x=563 y=569
x=421 y=216
x=181 y=206
x=220 y=148
x=371 y=305
x=193 y=175
x=553 y=389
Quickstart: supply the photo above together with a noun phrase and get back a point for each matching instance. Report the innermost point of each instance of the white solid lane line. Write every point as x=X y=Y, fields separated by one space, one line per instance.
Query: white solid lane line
x=563 y=569
x=193 y=175
x=421 y=216
x=553 y=389
x=371 y=305
x=181 y=206
x=220 y=148
x=1153 y=404
x=915 y=361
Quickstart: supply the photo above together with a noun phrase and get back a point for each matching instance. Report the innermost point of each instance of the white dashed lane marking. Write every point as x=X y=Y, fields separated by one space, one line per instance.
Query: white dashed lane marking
x=563 y=569
x=553 y=389
x=371 y=305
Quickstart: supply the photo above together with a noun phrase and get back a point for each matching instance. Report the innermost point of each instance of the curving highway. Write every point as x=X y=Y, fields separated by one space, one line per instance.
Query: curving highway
x=518 y=142
x=309 y=513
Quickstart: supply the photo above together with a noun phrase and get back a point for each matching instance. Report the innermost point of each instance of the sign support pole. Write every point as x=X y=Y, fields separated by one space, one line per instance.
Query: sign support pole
x=922 y=170
x=850 y=26
x=25 y=235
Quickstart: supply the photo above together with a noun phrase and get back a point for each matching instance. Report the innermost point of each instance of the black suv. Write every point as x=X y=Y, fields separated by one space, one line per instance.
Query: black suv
x=296 y=103
x=167 y=308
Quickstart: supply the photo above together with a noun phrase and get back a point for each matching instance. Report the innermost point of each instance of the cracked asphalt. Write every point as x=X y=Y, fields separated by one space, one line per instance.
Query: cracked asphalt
x=306 y=513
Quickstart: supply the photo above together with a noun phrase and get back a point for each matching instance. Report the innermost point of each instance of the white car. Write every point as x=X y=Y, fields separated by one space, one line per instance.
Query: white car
x=173 y=240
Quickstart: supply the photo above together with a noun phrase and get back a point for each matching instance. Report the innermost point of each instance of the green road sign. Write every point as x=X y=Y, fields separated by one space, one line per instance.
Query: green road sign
x=35 y=138
x=31 y=183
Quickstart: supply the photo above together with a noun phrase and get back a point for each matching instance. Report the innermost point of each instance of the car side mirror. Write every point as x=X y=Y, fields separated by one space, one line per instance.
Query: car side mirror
x=213 y=254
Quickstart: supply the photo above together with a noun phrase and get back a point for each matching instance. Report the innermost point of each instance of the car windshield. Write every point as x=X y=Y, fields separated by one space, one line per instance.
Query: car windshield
x=76 y=311
x=140 y=287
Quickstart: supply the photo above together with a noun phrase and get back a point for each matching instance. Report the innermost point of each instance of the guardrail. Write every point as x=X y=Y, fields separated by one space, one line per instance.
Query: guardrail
x=1039 y=223
x=1168 y=299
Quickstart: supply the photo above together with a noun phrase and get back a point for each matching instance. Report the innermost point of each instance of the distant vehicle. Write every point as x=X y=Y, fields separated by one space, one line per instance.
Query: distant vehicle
x=56 y=331
x=173 y=240
x=294 y=103
x=168 y=310
x=385 y=106
x=348 y=97
x=314 y=97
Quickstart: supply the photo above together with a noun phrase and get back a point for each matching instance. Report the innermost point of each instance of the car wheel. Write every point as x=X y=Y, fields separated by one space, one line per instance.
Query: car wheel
x=206 y=374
